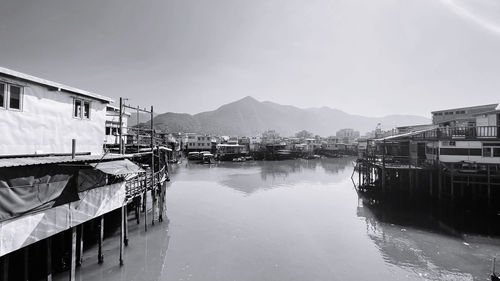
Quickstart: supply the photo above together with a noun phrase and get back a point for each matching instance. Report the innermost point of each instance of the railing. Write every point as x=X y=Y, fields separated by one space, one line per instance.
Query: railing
x=459 y=133
x=143 y=182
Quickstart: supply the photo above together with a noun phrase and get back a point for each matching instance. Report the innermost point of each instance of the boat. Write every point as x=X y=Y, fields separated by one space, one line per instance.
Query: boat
x=194 y=155
x=239 y=159
x=208 y=158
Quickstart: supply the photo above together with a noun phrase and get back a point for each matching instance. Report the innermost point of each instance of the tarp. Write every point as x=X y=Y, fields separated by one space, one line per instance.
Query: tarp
x=120 y=167
x=24 y=190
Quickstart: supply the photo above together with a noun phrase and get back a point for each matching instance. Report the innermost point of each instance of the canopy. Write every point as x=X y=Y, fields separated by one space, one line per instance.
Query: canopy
x=120 y=167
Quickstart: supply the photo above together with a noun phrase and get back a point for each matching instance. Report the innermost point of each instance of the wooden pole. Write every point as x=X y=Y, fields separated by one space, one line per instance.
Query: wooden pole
x=125 y=222
x=490 y=203
x=5 y=268
x=48 y=262
x=383 y=168
x=80 y=252
x=122 y=234
x=120 y=119
x=100 y=256
x=144 y=199
x=452 y=182
x=26 y=263
x=73 y=254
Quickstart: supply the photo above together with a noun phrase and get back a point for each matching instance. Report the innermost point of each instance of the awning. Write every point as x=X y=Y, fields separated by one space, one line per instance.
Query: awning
x=120 y=167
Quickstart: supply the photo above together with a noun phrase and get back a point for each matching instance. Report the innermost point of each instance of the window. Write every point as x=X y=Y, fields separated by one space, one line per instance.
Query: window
x=86 y=110
x=14 y=97
x=496 y=152
x=486 y=151
x=2 y=95
x=81 y=109
x=11 y=96
x=77 y=109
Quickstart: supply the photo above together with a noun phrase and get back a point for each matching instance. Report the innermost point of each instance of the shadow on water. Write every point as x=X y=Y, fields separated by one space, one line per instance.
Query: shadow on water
x=424 y=244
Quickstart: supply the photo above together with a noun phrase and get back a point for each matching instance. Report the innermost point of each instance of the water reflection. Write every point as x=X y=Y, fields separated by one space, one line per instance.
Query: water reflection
x=418 y=245
x=263 y=175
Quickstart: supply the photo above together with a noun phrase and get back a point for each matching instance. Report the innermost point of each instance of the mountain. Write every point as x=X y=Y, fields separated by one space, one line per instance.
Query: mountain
x=249 y=116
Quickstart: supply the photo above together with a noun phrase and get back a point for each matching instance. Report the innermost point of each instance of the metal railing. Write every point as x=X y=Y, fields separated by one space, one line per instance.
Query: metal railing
x=143 y=182
x=460 y=133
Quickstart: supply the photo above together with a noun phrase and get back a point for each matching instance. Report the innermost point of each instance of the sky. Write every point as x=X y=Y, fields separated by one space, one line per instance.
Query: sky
x=371 y=58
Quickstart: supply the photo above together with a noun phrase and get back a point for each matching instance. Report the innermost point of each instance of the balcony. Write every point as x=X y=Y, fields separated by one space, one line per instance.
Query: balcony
x=460 y=133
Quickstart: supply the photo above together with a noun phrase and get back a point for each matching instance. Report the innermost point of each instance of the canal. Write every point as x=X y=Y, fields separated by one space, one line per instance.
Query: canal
x=287 y=220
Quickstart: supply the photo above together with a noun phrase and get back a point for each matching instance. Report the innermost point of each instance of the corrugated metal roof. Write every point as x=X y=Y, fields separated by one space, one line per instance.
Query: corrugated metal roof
x=28 y=161
x=409 y=134
x=59 y=86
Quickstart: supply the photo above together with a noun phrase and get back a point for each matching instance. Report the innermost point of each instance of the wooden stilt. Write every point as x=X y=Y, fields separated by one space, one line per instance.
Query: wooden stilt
x=72 y=276
x=452 y=179
x=153 y=205
x=145 y=212
x=431 y=183
x=125 y=222
x=80 y=245
x=490 y=203
x=122 y=234
x=440 y=182
x=48 y=262
x=100 y=256
x=5 y=268
x=26 y=264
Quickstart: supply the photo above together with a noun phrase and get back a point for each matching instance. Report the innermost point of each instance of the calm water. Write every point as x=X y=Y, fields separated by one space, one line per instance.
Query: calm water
x=289 y=220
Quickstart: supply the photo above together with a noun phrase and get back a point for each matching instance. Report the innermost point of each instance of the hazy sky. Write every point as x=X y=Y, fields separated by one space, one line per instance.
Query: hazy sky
x=365 y=57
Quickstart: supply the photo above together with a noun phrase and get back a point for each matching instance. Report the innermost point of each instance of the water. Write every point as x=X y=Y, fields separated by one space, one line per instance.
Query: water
x=288 y=220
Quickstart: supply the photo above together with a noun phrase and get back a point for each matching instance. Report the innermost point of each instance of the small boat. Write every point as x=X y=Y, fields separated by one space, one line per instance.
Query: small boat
x=239 y=159
x=194 y=156
x=208 y=158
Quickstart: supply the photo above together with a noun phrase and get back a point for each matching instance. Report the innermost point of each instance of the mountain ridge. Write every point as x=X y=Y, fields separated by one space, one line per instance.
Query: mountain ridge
x=248 y=116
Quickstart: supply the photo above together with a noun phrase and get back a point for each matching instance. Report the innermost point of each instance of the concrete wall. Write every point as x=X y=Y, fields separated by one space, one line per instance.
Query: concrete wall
x=46 y=123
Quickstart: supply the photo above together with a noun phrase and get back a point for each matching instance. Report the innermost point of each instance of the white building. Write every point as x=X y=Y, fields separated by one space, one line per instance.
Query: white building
x=199 y=142
x=112 y=131
x=38 y=116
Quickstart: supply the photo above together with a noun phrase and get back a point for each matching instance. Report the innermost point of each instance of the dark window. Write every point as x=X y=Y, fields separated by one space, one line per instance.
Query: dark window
x=461 y=151
x=86 y=110
x=14 y=97
x=77 y=109
x=108 y=131
x=486 y=151
x=2 y=95
x=496 y=152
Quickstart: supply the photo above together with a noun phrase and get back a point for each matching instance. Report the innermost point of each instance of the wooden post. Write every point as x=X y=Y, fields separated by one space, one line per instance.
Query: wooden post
x=490 y=203
x=120 y=119
x=100 y=256
x=144 y=203
x=383 y=168
x=48 y=262
x=452 y=182
x=26 y=263
x=137 y=206
x=125 y=222
x=440 y=181
x=73 y=254
x=80 y=245
x=431 y=182
x=5 y=268
x=122 y=234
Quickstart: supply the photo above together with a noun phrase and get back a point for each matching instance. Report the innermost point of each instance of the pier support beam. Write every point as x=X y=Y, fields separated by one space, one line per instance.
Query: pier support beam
x=26 y=269
x=490 y=203
x=5 y=268
x=72 y=273
x=122 y=234
x=125 y=222
x=100 y=237
x=48 y=261
x=79 y=260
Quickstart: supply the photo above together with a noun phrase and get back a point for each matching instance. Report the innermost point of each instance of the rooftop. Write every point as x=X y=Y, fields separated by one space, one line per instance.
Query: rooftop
x=486 y=106
x=29 y=161
x=57 y=86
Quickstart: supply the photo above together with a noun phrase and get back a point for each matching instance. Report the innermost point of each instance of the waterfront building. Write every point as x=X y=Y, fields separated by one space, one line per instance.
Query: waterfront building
x=112 y=131
x=200 y=142
x=42 y=117
x=347 y=135
x=464 y=116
